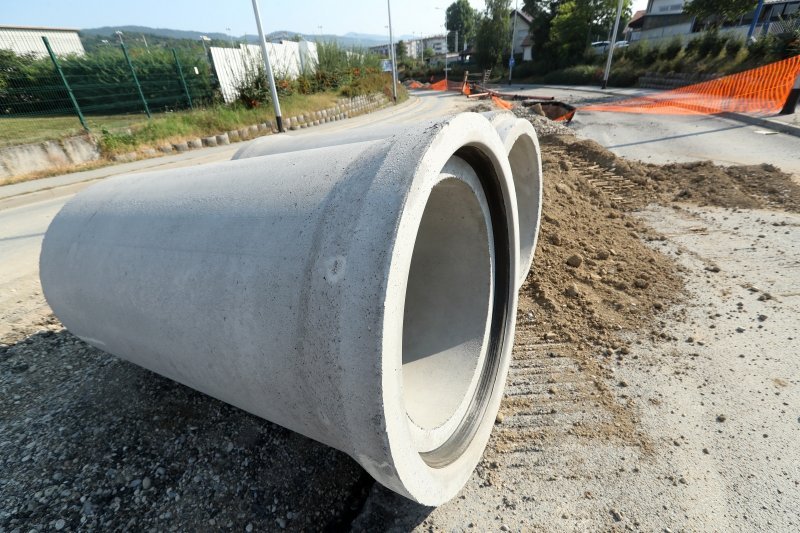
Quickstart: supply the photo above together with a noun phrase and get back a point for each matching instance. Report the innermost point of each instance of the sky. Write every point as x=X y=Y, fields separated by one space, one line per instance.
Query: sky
x=409 y=17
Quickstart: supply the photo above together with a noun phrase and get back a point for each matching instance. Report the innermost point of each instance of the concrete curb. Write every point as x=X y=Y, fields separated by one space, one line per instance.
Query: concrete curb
x=773 y=125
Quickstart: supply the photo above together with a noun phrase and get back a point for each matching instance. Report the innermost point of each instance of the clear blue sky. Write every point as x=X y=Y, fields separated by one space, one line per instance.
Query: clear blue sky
x=335 y=17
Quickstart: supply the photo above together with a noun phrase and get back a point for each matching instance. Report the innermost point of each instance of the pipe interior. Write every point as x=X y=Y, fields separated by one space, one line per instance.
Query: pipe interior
x=446 y=305
x=527 y=183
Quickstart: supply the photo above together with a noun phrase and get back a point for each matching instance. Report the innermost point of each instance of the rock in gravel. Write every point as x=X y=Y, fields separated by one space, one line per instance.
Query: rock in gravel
x=571 y=290
x=146 y=483
x=603 y=255
x=563 y=189
x=575 y=260
x=641 y=284
x=721 y=418
x=59 y=525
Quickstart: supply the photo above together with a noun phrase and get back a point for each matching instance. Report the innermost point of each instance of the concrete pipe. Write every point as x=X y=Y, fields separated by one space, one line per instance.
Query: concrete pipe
x=519 y=139
x=525 y=158
x=363 y=295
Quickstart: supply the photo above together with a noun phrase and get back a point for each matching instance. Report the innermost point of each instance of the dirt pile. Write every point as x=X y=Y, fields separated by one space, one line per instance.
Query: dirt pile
x=702 y=182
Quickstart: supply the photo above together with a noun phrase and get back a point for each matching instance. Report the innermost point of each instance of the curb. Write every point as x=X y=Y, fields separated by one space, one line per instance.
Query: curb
x=782 y=127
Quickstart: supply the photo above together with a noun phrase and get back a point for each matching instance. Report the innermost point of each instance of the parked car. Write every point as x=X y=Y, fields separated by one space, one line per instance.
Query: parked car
x=599 y=47
x=621 y=44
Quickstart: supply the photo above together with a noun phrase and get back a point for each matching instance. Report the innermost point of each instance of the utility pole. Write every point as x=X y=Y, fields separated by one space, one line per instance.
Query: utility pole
x=612 y=45
x=513 y=34
x=753 y=24
x=392 y=53
x=275 y=103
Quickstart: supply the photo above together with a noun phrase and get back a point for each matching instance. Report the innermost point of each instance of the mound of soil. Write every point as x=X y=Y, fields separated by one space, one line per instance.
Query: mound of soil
x=702 y=183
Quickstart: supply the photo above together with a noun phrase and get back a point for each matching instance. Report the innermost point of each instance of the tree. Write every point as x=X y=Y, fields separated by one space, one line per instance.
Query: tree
x=577 y=22
x=494 y=32
x=542 y=12
x=715 y=12
x=462 y=18
x=400 y=50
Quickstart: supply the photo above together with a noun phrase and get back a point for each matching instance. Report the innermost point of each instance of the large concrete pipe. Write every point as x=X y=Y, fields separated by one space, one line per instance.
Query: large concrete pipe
x=518 y=136
x=363 y=295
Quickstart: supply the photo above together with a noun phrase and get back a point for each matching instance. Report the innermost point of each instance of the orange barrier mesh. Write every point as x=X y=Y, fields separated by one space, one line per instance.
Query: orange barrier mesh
x=415 y=85
x=761 y=90
x=465 y=90
x=502 y=103
x=440 y=85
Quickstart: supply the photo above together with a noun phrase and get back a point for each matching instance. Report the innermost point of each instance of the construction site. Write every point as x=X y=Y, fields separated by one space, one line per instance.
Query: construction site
x=484 y=307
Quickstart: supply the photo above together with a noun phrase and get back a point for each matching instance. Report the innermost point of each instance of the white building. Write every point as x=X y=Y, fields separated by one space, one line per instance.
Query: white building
x=24 y=40
x=521 y=31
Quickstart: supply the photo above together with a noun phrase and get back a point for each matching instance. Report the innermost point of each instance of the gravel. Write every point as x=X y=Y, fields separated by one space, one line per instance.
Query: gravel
x=90 y=442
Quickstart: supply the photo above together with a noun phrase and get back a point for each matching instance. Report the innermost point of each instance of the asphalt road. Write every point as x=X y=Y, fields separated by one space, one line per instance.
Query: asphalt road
x=672 y=138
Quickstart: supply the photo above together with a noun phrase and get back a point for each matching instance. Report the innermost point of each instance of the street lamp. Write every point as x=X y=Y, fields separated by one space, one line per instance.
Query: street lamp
x=203 y=39
x=392 y=55
x=613 y=43
x=119 y=35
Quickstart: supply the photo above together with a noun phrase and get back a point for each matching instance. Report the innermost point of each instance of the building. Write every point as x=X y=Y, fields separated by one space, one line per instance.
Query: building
x=522 y=44
x=666 y=19
x=437 y=43
x=27 y=40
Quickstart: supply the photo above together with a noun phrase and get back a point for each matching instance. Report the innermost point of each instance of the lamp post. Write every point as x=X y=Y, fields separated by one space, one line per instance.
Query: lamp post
x=392 y=54
x=613 y=43
x=513 y=34
x=273 y=92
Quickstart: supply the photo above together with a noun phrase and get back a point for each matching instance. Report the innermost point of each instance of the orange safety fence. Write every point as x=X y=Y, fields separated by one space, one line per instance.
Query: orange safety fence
x=440 y=85
x=499 y=102
x=762 y=90
x=415 y=85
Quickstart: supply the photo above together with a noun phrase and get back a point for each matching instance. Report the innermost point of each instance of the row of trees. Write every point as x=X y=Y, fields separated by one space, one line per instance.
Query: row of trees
x=561 y=30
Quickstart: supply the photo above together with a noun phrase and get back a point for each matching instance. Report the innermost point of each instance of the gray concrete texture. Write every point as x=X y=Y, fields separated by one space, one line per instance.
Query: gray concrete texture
x=347 y=297
x=519 y=139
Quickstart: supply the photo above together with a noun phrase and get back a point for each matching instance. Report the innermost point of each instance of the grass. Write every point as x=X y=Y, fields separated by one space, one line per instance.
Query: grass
x=182 y=125
x=131 y=131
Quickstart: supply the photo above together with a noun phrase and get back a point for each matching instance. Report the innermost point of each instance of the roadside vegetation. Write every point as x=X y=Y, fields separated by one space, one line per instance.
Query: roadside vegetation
x=34 y=109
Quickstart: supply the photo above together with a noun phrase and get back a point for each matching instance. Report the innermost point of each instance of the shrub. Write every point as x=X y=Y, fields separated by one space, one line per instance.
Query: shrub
x=710 y=44
x=732 y=47
x=672 y=49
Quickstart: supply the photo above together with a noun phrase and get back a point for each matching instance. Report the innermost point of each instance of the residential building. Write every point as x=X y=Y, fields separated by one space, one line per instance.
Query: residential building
x=521 y=31
x=666 y=19
x=24 y=40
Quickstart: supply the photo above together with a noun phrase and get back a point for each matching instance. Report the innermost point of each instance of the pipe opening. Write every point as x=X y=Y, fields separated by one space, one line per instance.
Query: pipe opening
x=447 y=305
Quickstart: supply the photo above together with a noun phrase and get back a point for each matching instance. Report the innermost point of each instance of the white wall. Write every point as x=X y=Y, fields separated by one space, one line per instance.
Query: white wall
x=29 y=41
x=666 y=7
x=288 y=59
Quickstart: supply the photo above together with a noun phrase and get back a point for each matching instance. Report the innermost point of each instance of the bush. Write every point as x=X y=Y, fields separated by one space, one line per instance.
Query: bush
x=577 y=75
x=672 y=49
x=732 y=47
x=711 y=44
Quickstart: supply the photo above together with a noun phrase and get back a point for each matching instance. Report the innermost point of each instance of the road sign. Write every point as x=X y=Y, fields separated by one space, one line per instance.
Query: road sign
x=511 y=62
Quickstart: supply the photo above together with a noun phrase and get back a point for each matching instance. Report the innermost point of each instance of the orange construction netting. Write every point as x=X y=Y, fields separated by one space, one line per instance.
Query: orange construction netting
x=415 y=85
x=762 y=90
x=499 y=102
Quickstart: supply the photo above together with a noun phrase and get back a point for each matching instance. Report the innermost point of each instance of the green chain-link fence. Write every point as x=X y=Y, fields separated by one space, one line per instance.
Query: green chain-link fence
x=50 y=87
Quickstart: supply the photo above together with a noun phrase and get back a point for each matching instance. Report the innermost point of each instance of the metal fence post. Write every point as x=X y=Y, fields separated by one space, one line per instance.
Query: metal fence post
x=136 y=80
x=183 y=80
x=66 y=84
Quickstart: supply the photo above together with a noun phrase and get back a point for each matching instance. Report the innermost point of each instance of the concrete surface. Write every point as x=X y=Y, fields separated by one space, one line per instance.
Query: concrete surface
x=279 y=284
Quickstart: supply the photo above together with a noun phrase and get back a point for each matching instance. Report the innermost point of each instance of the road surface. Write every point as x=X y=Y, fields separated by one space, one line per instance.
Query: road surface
x=664 y=139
